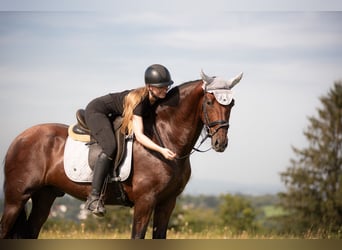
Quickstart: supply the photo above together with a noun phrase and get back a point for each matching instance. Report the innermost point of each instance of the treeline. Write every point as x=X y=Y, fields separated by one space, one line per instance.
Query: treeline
x=233 y=213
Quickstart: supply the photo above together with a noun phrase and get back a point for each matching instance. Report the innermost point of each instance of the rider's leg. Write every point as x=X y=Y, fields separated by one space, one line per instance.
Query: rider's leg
x=94 y=201
x=102 y=130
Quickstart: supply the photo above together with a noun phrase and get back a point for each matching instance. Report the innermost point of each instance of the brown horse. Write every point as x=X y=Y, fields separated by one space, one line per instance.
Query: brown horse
x=34 y=162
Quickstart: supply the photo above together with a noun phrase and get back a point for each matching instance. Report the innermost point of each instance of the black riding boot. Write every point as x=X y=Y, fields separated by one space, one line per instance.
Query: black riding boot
x=94 y=201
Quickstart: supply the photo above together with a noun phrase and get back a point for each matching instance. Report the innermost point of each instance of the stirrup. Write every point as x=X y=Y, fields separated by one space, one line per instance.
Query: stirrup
x=95 y=205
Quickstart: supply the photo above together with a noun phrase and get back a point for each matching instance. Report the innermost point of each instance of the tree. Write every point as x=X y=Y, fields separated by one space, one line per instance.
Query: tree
x=313 y=182
x=195 y=214
x=237 y=214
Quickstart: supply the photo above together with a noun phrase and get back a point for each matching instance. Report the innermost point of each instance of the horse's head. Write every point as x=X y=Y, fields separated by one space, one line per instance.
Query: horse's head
x=217 y=104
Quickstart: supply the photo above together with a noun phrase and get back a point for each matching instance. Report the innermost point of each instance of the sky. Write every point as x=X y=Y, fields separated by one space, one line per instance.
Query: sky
x=55 y=59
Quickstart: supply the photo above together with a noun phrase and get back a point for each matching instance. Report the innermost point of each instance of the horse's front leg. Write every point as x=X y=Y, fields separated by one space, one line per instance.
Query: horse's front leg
x=141 y=217
x=162 y=214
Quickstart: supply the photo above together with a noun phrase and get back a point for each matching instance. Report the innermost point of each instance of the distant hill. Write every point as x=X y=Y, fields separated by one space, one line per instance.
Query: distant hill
x=213 y=187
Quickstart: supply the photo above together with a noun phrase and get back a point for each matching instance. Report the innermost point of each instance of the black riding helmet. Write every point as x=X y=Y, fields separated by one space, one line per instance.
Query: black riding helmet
x=158 y=76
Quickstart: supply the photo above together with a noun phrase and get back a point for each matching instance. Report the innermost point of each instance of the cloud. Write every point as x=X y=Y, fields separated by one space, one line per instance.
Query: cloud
x=238 y=31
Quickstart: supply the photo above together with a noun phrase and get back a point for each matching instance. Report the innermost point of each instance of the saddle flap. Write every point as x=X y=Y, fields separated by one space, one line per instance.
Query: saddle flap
x=81 y=132
x=95 y=149
x=120 y=140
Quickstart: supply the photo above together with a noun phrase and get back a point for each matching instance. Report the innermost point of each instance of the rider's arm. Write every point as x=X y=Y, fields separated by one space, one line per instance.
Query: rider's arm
x=138 y=130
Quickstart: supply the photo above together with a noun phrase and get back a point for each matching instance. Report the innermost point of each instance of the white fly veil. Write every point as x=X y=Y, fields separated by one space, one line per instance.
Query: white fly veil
x=220 y=88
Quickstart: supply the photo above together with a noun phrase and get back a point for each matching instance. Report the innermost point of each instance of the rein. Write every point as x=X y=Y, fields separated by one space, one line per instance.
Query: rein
x=194 y=149
x=208 y=125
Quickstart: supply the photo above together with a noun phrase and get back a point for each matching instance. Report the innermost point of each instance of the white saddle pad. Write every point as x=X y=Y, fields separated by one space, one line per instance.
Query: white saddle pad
x=76 y=164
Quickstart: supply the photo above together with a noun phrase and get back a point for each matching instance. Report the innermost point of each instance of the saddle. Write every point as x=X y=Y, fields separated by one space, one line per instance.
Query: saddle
x=81 y=132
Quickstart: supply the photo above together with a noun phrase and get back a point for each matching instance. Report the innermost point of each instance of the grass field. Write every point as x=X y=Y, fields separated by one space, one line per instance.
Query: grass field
x=200 y=241
x=117 y=235
x=210 y=234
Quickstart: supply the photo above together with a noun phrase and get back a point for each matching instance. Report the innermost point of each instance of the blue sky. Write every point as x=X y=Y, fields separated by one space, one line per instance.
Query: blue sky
x=54 y=62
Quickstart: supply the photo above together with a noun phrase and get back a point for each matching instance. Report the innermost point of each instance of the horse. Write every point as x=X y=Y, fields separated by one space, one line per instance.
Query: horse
x=33 y=166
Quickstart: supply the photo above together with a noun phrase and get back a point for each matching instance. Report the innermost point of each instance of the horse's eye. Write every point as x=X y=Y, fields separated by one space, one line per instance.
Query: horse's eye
x=209 y=102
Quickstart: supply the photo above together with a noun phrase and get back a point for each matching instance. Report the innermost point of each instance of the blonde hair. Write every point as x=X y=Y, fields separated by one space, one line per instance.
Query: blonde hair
x=132 y=99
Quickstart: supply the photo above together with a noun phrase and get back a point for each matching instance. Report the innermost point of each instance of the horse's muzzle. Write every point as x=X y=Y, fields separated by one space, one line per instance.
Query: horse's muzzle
x=219 y=144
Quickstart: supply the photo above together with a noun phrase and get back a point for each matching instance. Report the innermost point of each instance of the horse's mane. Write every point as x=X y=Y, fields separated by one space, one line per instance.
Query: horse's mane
x=173 y=97
x=185 y=84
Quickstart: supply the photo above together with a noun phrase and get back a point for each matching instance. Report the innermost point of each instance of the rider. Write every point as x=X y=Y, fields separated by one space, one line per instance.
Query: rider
x=133 y=105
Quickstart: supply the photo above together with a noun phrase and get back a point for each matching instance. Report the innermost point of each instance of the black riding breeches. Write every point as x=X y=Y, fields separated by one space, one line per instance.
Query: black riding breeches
x=101 y=129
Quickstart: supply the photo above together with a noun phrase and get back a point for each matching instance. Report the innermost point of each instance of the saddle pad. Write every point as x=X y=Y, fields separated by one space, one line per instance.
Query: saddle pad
x=76 y=165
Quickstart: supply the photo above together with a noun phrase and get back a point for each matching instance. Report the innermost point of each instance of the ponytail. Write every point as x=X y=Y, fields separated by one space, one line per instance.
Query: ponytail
x=132 y=99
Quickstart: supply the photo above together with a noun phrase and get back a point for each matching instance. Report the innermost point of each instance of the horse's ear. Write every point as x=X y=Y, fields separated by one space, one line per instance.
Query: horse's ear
x=235 y=80
x=206 y=79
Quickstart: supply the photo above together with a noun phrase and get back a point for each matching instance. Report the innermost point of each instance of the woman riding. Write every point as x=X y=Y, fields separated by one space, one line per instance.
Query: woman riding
x=133 y=105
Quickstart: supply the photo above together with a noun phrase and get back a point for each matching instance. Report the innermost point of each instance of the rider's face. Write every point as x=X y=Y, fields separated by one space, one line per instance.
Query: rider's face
x=159 y=92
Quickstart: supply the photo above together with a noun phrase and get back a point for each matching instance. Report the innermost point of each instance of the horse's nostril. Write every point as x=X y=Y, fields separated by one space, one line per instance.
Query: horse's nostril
x=220 y=145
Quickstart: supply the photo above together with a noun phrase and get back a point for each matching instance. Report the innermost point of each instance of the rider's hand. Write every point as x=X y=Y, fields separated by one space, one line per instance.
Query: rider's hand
x=168 y=154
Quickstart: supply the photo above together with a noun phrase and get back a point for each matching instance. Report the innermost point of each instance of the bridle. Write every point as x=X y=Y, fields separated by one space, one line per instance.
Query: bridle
x=207 y=125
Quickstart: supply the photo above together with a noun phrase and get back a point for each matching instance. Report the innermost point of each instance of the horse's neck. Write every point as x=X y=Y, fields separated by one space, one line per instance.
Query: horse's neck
x=183 y=120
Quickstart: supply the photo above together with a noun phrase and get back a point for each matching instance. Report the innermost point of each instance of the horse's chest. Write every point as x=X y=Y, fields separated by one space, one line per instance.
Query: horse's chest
x=179 y=178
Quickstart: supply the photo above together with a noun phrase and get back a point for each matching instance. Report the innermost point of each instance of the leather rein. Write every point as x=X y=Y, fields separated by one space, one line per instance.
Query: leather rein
x=208 y=125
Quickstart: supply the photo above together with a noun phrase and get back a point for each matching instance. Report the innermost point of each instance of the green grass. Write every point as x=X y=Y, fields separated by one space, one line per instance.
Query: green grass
x=273 y=211
x=184 y=234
